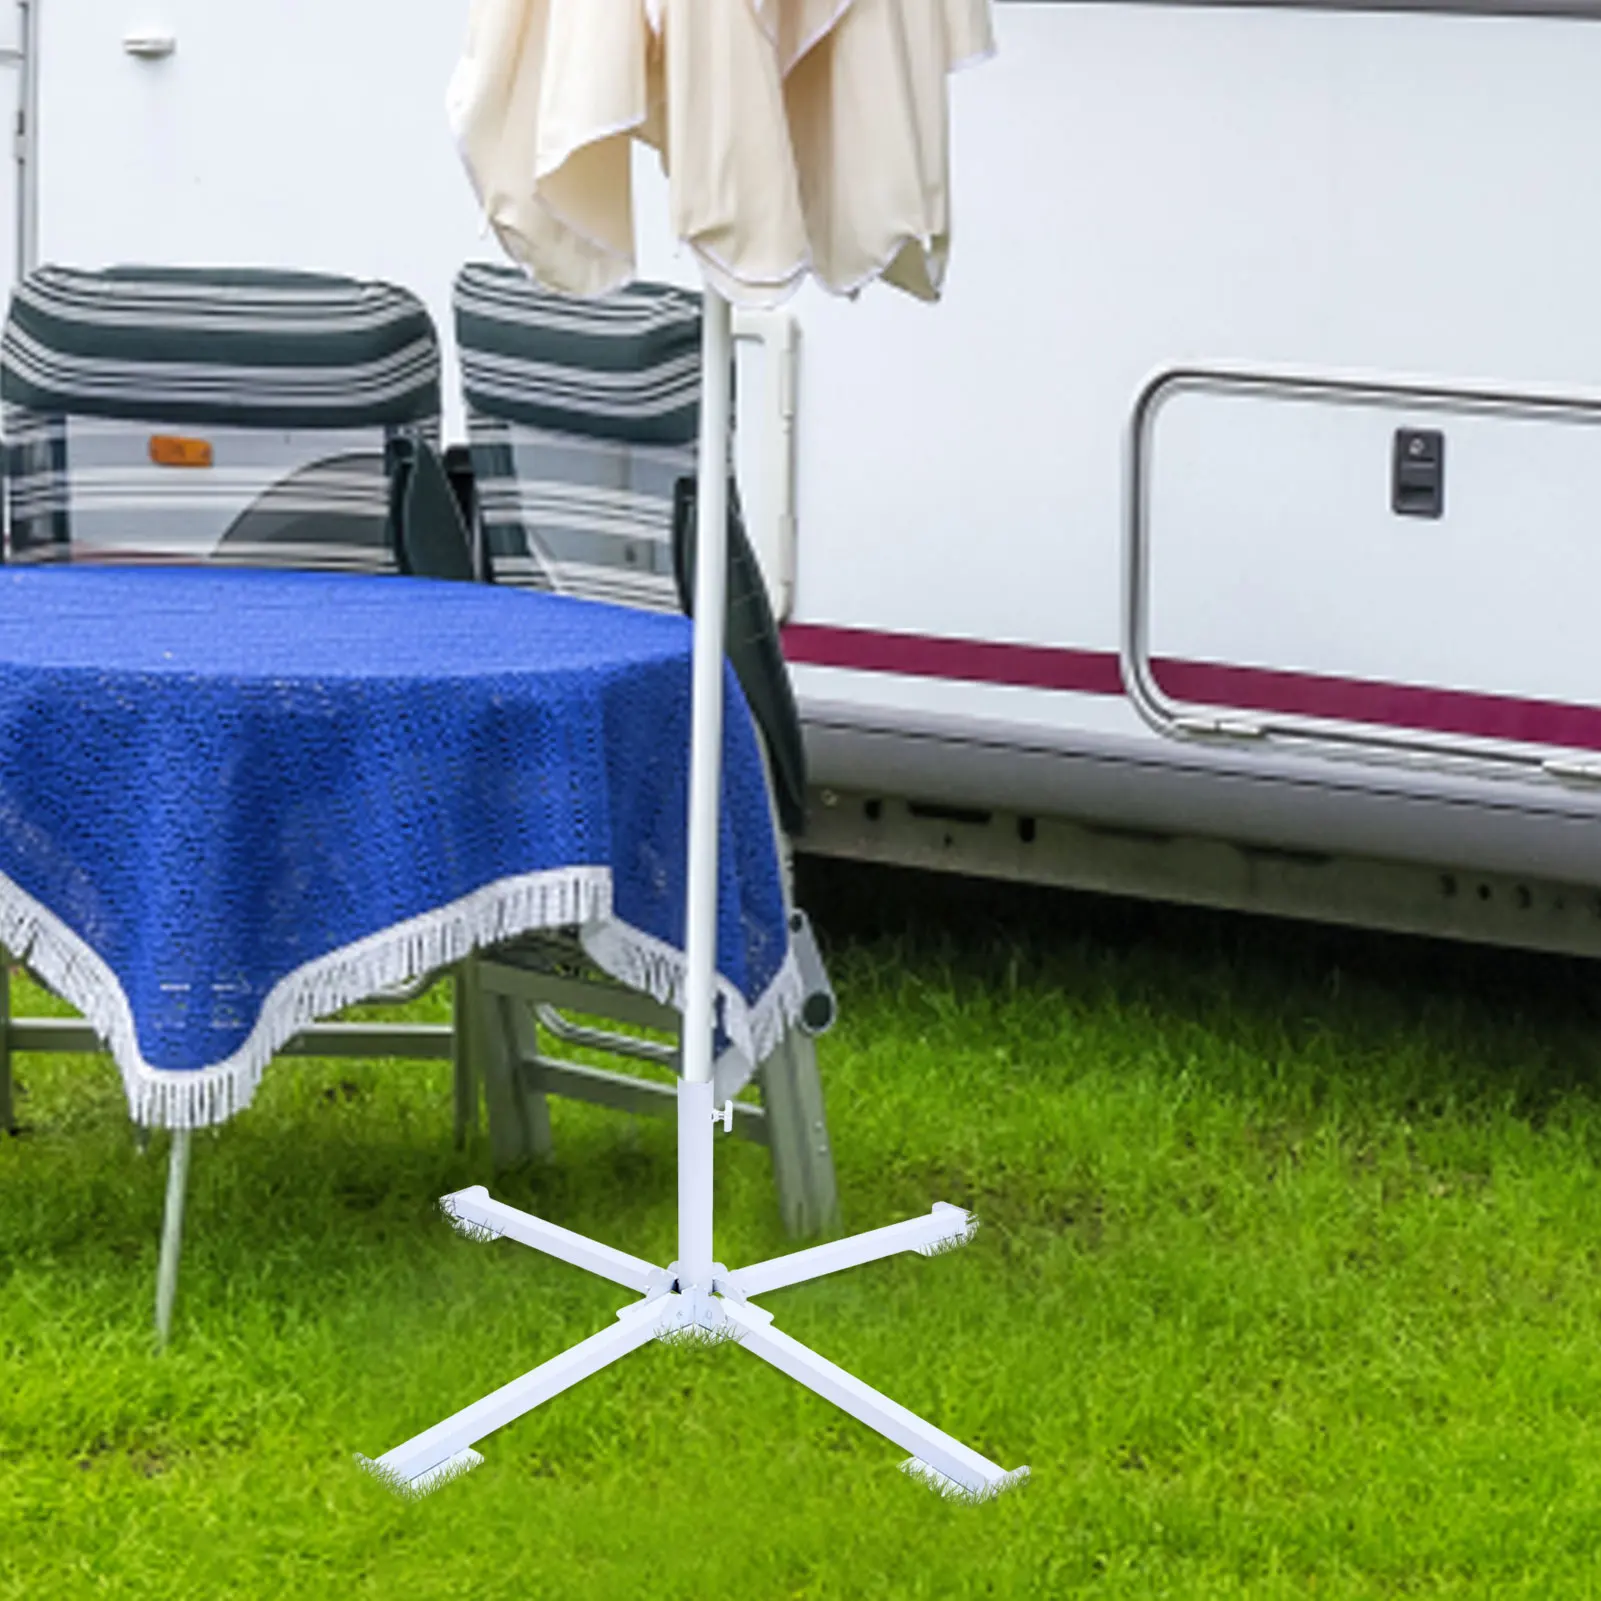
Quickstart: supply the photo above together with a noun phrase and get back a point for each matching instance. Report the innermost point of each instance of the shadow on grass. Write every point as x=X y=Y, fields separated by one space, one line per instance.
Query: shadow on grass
x=1415 y=1026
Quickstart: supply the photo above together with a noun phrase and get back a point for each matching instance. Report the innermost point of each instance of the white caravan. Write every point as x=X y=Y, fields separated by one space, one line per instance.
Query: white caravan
x=1231 y=532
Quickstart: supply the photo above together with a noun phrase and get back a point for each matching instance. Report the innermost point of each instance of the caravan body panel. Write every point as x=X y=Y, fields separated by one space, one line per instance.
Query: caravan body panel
x=1353 y=202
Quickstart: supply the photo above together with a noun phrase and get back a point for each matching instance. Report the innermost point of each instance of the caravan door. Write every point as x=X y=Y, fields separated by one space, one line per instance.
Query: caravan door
x=1390 y=568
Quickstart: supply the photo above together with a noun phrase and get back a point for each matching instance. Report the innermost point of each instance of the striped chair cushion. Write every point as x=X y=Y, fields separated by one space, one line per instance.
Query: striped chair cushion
x=210 y=414
x=582 y=415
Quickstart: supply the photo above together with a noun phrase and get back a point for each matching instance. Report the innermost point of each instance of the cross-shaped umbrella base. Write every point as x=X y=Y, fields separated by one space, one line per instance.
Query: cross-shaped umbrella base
x=723 y=1311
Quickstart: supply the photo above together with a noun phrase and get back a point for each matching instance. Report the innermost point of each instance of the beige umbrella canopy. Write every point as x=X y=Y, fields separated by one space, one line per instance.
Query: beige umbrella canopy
x=799 y=136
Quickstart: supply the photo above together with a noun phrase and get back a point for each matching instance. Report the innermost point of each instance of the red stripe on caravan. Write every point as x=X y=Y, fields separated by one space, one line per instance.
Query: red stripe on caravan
x=1348 y=700
x=979 y=661
x=1355 y=700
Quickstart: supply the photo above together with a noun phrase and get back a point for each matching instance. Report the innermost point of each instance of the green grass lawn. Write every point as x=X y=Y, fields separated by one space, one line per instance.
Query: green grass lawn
x=1287 y=1286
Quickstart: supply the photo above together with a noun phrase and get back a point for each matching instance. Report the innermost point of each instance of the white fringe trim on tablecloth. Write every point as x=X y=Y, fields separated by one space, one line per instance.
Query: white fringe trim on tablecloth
x=401 y=954
x=643 y=962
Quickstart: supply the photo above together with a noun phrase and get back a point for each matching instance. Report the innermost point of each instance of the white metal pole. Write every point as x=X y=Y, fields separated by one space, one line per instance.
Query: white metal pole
x=172 y=1232
x=705 y=798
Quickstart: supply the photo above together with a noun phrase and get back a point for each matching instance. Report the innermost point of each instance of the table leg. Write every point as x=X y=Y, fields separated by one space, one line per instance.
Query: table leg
x=8 y=1115
x=172 y=1232
x=464 y=1054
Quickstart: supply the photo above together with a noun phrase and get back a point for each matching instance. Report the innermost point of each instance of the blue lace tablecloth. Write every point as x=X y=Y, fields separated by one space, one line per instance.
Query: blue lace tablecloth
x=233 y=802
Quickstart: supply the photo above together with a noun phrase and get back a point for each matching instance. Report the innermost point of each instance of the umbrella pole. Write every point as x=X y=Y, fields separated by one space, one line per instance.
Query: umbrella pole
x=705 y=797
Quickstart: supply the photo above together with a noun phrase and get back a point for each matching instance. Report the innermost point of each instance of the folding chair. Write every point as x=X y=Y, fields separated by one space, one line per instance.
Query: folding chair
x=240 y=416
x=582 y=417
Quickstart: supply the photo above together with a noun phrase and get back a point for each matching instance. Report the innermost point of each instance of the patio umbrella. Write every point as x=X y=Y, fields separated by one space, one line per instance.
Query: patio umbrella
x=800 y=138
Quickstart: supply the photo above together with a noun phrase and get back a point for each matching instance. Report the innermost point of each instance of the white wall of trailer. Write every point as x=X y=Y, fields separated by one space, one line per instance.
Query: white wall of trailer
x=296 y=133
x=1137 y=187
x=1403 y=197
x=1141 y=187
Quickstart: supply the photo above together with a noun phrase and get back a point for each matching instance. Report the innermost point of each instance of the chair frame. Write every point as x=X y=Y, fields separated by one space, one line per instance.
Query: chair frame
x=510 y=1014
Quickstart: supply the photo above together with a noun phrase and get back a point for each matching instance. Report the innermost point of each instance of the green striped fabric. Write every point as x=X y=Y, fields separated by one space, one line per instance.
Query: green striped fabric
x=295 y=387
x=623 y=366
x=219 y=346
x=583 y=416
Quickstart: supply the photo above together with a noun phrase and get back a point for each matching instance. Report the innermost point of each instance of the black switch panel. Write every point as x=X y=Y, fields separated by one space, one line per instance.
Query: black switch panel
x=1417 y=479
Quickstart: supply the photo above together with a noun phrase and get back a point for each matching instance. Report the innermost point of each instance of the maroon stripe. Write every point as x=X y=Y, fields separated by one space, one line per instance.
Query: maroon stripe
x=979 y=661
x=1355 y=700
x=1090 y=672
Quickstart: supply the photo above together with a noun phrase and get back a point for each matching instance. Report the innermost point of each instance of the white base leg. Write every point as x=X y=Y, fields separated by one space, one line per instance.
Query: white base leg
x=943 y=1229
x=952 y=1489
x=427 y=1459
x=964 y=1471
x=474 y=1213
x=453 y=1467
